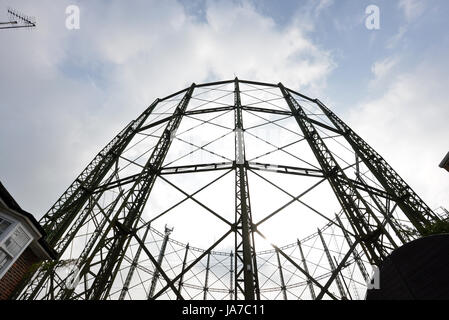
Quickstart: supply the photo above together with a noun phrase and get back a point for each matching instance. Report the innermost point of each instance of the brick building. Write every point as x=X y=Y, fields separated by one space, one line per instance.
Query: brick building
x=22 y=243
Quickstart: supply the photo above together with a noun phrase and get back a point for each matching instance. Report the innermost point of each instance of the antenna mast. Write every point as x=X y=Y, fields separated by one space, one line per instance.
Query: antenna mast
x=18 y=20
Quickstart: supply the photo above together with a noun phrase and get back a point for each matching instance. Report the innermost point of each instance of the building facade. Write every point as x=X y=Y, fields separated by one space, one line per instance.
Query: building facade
x=22 y=243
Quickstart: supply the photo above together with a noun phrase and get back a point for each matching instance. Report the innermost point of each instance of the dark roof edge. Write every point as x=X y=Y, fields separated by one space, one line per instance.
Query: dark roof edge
x=51 y=252
x=445 y=161
x=12 y=204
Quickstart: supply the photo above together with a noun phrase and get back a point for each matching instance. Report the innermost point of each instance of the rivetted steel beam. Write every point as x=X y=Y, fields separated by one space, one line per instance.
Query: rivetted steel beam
x=332 y=265
x=133 y=205
x=281 y=276
x=348 y=196
x=160 y=258
x=304 y=262
x=410 y=203
x=356 y=255
x=184 y=262
x=206 y=278
x=246 y=271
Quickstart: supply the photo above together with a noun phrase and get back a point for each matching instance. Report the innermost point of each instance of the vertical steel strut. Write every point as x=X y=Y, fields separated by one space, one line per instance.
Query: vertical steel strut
x=159 y=262
x=118 y=222
x=332 y=265
x=133 y=267
x=419 y=214
x=245 y=256
x=67 y=211
x=206 y=278
x=231 y=277
x=356 y=255
x=133 y=204
x=61 y=214
x=350 y=200
x=281 y=276
x=184 y=262
x=303 y=259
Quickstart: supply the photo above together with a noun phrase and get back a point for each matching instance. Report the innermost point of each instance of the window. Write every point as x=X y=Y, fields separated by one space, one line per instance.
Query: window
x=16 y=241
x=14 y=244
x=4 y=259
x=4 y=224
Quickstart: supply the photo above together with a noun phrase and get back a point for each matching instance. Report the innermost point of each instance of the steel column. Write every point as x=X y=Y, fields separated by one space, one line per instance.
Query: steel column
x=133 y=205
x=356 y=255
x=159 y=262
x=206 y=279
x=332 y=265
x=184 y=262
x=410 y=203
x=281 y=275
x=246 y=273
x=303 y=259
x=346 y=193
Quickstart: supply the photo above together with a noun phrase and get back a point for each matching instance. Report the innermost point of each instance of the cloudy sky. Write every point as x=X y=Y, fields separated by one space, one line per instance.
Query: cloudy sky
x=65 y=93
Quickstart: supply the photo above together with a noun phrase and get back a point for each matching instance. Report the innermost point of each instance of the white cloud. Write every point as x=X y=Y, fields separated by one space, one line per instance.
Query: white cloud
x=412 y=8
x=408 y=126
x=382 y=68
x=71 y=91
x=395 y=39
x=234 y=40
x=323 y=5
